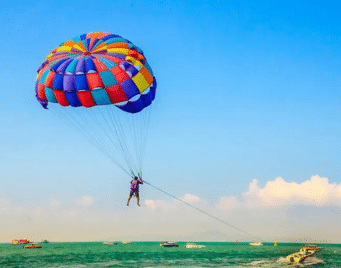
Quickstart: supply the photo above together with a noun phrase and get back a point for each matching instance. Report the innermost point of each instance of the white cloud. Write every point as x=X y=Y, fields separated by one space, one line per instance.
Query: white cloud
x=54 y=203
x=317 y=191
x=160 y=204
x=227 y=203
x=171 y=205
x=253 y=188
x=4 y=204
x=189 y=198
x=338 y=190
x=85 y=201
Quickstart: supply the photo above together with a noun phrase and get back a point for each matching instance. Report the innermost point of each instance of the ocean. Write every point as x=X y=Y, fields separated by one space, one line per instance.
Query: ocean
x=150 y=254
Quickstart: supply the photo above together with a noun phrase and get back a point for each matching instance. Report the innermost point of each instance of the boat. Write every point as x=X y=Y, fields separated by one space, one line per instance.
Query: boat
x=44 y=242
x=125 y=242
x=113 y=243
x=304 y=253
x=256 y=244
x=168 y=244
x=193 y=245
x=32 y=246
x=20 y=241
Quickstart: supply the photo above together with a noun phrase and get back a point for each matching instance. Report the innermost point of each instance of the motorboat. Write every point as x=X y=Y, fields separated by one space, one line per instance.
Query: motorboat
x=20 y=241
x=32 y=246
x=311 y=248
x=168 y=244
x=256 y=244
x=125 y=242
x=193 y=245
x=112 y=243
x=304 y=253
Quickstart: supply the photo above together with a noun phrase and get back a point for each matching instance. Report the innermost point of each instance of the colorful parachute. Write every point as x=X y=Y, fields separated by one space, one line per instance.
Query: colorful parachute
x=85 y=76
x=96 y=69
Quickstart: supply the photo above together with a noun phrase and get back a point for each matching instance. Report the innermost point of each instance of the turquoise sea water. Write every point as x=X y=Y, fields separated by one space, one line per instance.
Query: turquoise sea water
x=150 y=254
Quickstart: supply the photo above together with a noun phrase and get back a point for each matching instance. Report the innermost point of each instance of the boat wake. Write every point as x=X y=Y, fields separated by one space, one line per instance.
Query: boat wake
x=282 y=262
x=308 y=262
x=312 y=261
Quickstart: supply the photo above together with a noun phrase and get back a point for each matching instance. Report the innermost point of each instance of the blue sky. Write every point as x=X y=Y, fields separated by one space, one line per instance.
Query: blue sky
x=245 y=91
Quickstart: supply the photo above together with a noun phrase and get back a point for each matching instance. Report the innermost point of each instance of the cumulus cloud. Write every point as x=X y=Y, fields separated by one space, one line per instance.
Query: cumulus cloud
x=4 y=204
x=85 y=201
x=159 y=204
x=227 y=203
x=54 y=203
x=171 y=205
x=189 y=198
x=316 y=191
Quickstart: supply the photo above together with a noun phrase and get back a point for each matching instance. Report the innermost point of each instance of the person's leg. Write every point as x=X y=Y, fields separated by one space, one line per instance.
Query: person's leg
x=128 y=200
x=130 y=195
x=138 y=198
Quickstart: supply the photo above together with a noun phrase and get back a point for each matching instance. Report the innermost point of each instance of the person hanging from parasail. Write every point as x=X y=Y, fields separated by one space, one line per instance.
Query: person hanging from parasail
x=134 y=189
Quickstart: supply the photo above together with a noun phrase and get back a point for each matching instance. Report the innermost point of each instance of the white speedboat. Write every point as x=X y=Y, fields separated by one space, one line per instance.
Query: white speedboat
x=169 y=244
x=112 y=243
x=256 y=244
x=194 y=245
x=305 y=253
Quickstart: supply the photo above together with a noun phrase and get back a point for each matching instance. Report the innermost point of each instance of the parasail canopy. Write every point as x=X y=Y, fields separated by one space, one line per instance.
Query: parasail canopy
x=87 y=77
x=96 y=69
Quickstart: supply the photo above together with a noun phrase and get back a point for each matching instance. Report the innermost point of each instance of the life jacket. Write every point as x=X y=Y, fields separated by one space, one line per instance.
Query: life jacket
x=134 y=185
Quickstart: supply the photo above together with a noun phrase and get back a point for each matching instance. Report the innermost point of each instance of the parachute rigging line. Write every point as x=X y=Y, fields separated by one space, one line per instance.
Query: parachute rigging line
x=120 y=137
x=204 y=212
x=90 y=134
